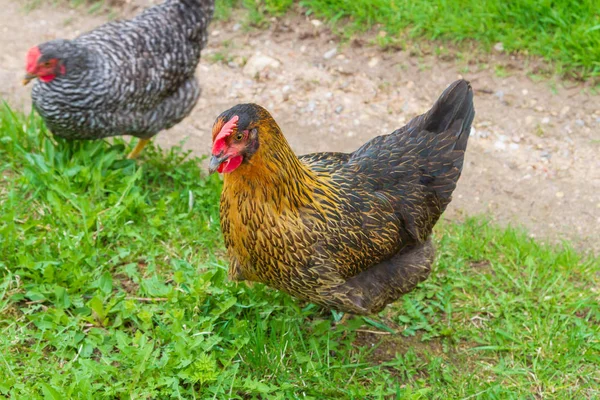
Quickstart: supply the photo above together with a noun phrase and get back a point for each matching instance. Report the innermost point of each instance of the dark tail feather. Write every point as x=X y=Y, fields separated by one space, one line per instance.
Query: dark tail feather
x=453 y=111
x=450 y=121
x=447 y=126
x=207 y=7
x=196 y=15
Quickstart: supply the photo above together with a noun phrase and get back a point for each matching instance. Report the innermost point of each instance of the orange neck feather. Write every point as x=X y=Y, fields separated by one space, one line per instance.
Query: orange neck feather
x=274 y=174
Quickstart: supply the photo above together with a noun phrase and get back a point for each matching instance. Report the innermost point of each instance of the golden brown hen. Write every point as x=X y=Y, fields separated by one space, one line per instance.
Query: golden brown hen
x=347 y=231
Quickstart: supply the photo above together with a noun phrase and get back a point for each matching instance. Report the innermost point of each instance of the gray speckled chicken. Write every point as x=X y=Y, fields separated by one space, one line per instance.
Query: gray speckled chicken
x=132 y=77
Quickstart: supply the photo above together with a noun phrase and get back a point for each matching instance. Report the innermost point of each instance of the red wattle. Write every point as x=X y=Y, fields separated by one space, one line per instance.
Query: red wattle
x=47 y=78
x=230 y=165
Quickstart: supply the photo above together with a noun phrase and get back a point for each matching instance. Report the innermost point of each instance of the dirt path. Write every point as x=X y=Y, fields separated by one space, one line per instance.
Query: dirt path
x=532 y=160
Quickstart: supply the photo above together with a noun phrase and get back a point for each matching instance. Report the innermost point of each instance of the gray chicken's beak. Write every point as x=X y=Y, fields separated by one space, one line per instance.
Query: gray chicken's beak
x=215 y=162
x=28 y=78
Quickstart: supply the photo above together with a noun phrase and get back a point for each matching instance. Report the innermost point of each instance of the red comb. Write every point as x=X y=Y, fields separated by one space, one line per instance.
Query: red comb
x=226 y=130
x=32 y=57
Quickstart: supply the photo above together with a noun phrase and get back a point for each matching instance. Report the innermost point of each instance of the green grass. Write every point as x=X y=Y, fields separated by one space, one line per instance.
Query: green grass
x=565 y=33
x=114 y=286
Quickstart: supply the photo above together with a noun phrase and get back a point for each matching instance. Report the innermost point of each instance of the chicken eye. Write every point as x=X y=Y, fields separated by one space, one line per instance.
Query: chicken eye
x=239 y=136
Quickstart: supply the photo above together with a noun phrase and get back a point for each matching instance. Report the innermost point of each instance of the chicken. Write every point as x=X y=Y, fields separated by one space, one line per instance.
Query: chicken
x=350 y=232
x=132 y=77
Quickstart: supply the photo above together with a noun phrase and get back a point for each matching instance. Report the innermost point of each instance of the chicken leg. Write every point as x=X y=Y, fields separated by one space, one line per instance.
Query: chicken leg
x=138 y=149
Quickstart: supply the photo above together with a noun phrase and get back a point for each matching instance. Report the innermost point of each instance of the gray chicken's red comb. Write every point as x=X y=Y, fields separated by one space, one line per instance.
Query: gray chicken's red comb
x=33 y=55
x=226 y=130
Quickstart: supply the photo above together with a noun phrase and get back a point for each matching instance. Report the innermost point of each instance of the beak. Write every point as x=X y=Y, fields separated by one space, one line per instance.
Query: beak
x=215 y=162
x=28 y=78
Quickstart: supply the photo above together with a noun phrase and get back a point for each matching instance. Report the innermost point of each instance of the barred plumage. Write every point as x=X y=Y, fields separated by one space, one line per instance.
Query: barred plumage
x=347 y=231
x=131 y=77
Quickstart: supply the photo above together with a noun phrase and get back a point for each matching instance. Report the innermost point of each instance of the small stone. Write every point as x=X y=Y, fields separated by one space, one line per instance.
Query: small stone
x=215 y=33
x=258 y=63
x=500 y=95
x=286 y=92
x=316 y=23
x=560 y=195
x=480 y=133
x=339 y=109
x=499 y=47
x=515 y=139
x=513 y=146
x=564 y=111
x=410 y=84
x=312 y=106
x=546 y=154
x=567 y=128
x=598 y=120
x=502 y=138
x=500 y=145
x=330 y=54
x=373 y=62
x=525 y=92
x=236 y=27
x=580 y=122
x=545 y=120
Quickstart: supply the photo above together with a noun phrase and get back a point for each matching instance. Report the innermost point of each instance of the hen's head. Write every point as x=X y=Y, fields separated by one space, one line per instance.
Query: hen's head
x=238 y=134
x=48 y=60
